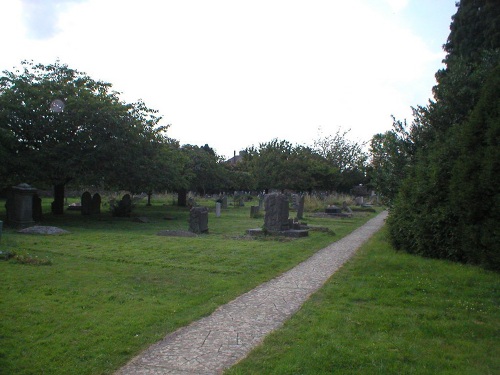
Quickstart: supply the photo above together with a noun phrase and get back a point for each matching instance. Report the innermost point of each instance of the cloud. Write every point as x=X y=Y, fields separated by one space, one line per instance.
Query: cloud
x=41 y=16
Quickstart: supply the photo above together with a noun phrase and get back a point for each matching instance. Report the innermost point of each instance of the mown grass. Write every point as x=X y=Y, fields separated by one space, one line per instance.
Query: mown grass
x=390 y=313
x=112 y=286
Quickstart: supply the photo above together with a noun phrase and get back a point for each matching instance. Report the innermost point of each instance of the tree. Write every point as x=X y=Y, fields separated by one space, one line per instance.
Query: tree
x=447 y=206
x=59 y=125
x=204 y=166
x=346 y=156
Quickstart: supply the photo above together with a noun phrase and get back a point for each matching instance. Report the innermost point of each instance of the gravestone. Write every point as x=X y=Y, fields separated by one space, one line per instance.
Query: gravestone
x=198 y=220
x=37 y=207
x=300 y=207
x=276 y=218
x=295 y=201
x=261 y=201
x=95 y=204
x=254 y=211
x=224 y=201
x=86 y=201
x=124 y=207
x=217 y=209
x=359 y=201
x=20 y=206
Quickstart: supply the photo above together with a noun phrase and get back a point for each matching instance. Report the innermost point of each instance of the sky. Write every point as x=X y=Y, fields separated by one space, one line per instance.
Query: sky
x=234 y=74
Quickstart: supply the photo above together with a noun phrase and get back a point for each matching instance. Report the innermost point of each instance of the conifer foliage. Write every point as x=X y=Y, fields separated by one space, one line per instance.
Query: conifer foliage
x=448 y=206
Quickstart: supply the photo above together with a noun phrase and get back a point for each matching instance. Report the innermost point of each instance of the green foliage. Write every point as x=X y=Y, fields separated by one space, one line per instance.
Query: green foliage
x=447 y=206
x=346 y=157
x=58 y=125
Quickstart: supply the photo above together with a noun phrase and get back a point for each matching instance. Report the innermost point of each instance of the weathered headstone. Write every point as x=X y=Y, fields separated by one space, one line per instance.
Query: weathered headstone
x=95 y=204
x=124 y=207
x=359 y=200
x=20 y=205
x=261 y=201
x=224 y=201
x=300 y=207
x=86 y=201
x=276 y=218
x=217 y=209
x=254 y=211
x=198 y=220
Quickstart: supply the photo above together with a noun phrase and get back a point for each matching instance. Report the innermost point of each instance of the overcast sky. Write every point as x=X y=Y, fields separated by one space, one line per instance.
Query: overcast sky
x=232 y=74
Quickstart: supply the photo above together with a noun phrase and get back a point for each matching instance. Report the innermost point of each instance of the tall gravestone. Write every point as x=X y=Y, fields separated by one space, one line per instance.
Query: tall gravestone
x=198 y=220
x=224 y=202
x=86 y=201
x=300 y=207
x=95 y=204
x=277 y=211
x=20 y=206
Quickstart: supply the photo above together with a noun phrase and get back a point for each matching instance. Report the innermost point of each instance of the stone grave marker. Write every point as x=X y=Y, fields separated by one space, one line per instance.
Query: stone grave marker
x=198 y=220
x=95 y=204
x=20 y=205
x=86 y=201
x=276 y=217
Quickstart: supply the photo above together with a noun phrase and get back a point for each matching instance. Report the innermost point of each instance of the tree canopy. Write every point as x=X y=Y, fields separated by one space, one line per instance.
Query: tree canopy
x=59 y=125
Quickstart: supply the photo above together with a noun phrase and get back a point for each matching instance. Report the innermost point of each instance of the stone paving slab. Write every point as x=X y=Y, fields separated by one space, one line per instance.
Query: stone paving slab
x=215 y=343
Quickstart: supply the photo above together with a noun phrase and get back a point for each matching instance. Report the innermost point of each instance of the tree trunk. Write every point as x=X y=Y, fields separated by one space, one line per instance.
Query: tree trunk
x=58 y=203
x=149 y=198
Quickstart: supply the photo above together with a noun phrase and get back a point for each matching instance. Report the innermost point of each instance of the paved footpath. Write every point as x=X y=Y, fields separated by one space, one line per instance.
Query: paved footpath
x=215 y=343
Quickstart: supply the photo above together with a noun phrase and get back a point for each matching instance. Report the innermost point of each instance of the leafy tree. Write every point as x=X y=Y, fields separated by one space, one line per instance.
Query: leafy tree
x=206 y=174
x=59 y=125
x=346 y=156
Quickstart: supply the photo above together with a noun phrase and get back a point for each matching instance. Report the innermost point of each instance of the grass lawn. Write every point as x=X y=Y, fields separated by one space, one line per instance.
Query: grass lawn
x=112 y=287
x=390 y=313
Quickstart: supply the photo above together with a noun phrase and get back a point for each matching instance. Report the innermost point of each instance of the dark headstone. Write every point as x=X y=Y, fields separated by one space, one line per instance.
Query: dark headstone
x=20 y=205
x=124 y=207
x=198 y=220
x=224 y=201
x=95 y=204
x=300 y=207
x=254 y=211
x=86 y=201
x=276 y=218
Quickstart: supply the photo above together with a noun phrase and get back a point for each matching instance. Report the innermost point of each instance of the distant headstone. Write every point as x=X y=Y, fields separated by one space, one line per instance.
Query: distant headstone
x=224 y=201
x=276 y=218
x=198 y=220
x=254 y=211
x=300 y=207
x=95 y=204
x=217 y=209
x=86 y=201
x=124 y=207
x=359 y=201
x=261 y=201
